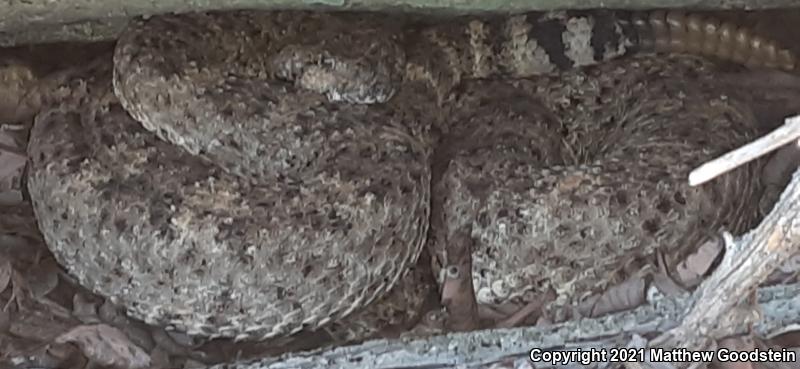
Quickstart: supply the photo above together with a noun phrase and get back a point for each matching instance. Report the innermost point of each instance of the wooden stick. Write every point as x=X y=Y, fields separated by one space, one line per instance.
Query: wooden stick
x=785 y=134
x=780 y=307
x=747 y=262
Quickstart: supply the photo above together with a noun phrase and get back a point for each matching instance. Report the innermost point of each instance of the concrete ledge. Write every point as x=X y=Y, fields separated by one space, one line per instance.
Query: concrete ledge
x=37 y=21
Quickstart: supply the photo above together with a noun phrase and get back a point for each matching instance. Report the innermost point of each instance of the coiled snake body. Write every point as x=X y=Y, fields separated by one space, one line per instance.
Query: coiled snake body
x=216 y=191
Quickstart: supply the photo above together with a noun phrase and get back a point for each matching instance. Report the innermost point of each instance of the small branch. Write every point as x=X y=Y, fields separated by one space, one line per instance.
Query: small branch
x=780 y=305
x=787 y=133
x=747 y=263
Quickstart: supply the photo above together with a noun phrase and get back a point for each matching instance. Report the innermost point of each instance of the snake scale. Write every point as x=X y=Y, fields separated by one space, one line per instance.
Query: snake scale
x=254 y=174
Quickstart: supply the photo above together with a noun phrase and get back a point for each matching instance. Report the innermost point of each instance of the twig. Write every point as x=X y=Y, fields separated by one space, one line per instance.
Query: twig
x=747 y=262
x=477 y=349
x=787 y=133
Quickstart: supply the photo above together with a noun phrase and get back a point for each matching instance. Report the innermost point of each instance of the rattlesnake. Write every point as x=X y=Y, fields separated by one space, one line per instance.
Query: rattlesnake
x=274 y=210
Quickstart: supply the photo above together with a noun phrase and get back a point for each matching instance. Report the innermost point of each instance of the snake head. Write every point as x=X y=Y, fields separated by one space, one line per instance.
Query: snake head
x=367 y=78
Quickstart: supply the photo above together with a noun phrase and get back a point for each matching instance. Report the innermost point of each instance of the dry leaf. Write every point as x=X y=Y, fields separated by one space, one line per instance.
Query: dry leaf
x=624 y=296
x=84 y=309
x=19 y=232
x=110 y=313
x=16 y=79
x=5 y=272
x=42 y=278
x=159 y=358
x=33 y=355
x=163 y=340
x=663 y=282
x=181 y=339
x=107 y=346
x=11 y=161
x=37 y=323
x=5 y=321
x=19 y=289
x=431 y=323
x=193 y=364
x=690 y=272
x=11 y=198
x=521 y=315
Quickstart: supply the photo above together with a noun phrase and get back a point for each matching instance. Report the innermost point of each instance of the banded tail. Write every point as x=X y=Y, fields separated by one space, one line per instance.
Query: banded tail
x=542 y=43
x=680 y=32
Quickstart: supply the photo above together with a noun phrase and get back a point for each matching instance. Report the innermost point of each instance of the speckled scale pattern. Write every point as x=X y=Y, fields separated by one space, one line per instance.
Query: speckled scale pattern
x=523 y=45
x=185 y=243
x=294 y=190
x=233 y=87
x=242 y=90
x=614 y=192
